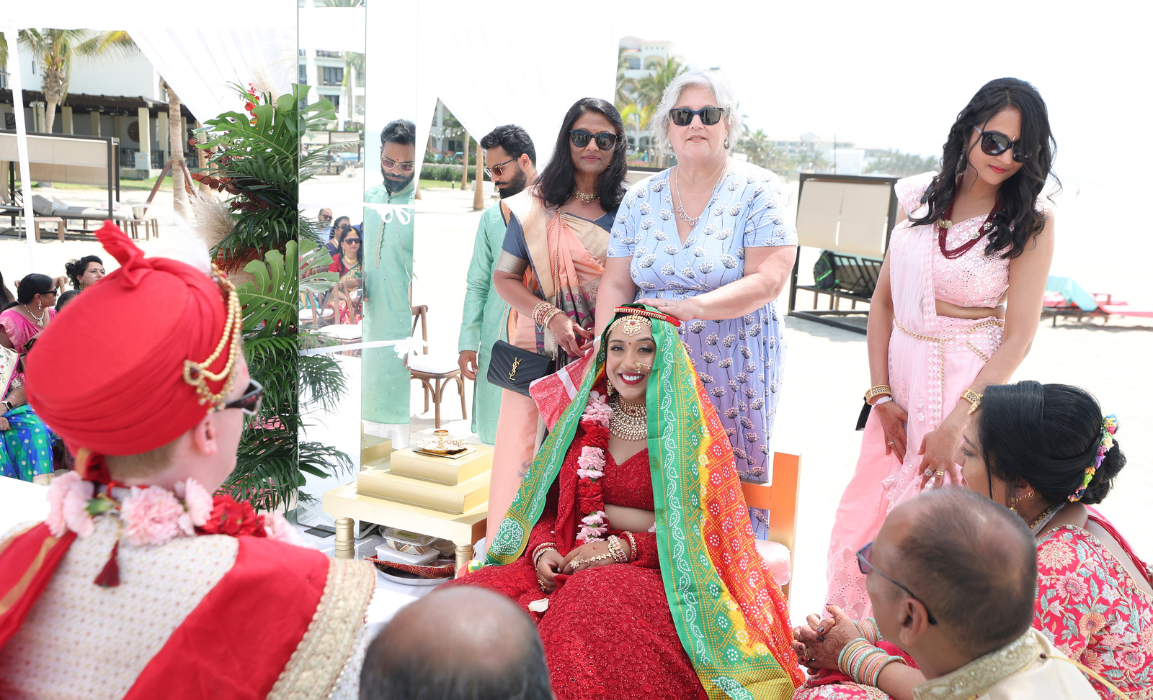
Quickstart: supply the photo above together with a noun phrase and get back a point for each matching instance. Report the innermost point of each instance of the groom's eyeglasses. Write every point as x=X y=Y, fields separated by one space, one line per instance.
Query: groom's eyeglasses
x=865 y=561
x=249 y=403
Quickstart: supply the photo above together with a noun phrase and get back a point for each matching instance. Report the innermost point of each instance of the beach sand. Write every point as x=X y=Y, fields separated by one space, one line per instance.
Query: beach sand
x=825 y=372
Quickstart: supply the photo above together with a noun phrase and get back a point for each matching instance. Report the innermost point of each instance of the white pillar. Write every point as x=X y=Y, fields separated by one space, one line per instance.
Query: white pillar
x=94 y=115
x=21 y=142
x=145 y=134
x=66 y=115
x=38 y=117
x=310 y=73
x=162 y=134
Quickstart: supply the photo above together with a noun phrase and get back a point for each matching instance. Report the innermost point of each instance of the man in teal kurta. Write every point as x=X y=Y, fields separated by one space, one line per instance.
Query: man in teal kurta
x=513 y=165
x=387 y=244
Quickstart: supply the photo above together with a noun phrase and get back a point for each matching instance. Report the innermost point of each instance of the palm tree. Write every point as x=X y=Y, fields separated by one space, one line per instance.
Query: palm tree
x=57 y=49
x=651 y=88
x=353 y=66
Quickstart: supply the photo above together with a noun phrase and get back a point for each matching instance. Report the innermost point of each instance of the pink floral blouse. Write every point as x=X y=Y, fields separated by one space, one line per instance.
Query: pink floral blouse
x=1093 y=611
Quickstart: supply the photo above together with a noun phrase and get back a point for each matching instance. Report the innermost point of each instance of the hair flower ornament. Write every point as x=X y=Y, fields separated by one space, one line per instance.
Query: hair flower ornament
x=1108 y=429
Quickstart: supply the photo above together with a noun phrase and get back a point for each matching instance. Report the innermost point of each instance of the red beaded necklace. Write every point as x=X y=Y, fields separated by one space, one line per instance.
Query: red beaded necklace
x=944 y=224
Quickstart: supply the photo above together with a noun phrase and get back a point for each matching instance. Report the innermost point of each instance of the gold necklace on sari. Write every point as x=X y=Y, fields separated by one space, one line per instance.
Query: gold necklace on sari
x=586 y=198
x=630 y=420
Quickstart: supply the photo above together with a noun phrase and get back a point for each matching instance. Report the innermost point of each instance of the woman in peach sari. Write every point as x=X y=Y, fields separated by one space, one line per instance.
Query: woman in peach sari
x=549 y=270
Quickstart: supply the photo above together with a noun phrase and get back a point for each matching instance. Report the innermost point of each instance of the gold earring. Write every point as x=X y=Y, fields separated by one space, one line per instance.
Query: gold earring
x=608 y=386
x=1013 y=501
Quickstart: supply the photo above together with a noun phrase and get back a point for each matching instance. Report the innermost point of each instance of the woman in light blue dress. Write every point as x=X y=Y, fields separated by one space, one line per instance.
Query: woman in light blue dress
x=705 y=241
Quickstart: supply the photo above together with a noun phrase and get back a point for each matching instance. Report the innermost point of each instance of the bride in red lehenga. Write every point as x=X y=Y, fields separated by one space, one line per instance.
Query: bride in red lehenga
x=629 y=542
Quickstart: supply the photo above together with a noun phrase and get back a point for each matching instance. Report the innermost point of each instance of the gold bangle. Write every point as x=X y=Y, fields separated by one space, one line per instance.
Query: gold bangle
x=879 y=390
x=632 y=547
x=973 y=398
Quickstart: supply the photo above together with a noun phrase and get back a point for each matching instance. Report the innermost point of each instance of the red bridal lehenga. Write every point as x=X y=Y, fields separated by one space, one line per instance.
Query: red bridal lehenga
x=695 y=613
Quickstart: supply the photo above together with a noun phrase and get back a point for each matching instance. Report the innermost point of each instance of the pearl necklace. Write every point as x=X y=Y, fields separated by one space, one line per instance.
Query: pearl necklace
x=586 y=198
x=629 y=421
x=39 y=319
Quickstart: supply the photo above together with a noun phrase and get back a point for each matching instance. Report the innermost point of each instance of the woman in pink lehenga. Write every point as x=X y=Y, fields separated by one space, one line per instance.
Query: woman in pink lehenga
x=549 y=271
x=976 y=235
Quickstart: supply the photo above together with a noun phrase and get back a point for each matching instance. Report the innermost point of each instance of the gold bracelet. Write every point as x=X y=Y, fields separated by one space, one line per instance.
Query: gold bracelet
x=548 y=318
x=879 y=390
x=540 y=310
x=616 y=550
x=973 y=398
x=632 y=547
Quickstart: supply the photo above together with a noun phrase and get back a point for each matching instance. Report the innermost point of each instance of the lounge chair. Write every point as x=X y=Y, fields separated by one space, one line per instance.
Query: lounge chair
x=1064 y=297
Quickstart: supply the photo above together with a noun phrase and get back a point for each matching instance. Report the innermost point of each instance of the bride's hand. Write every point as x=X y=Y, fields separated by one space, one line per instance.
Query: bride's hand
x=584 y=557
x=547 y=567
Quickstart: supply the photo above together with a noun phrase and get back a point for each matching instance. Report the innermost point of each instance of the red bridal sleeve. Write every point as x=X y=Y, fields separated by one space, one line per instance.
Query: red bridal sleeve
x=544 y=530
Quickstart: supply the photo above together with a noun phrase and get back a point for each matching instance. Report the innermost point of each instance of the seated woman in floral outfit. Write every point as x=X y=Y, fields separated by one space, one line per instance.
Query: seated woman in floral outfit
x=1046 y=452
x=629 y=541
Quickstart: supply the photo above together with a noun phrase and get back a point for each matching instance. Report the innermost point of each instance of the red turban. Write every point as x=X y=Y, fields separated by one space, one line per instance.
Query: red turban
x=108 y=376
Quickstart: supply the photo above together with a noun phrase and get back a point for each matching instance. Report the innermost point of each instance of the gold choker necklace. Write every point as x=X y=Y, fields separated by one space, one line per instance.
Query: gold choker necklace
x=586 y=198
x=630 y=421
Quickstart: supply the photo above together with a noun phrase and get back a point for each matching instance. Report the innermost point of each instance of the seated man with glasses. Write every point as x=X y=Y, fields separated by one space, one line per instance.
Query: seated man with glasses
x=952 y=578
x=141 y=583
x=386 y=252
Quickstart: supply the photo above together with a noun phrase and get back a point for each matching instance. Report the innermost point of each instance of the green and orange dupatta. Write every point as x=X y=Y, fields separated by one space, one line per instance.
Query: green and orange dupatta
x=729 y=613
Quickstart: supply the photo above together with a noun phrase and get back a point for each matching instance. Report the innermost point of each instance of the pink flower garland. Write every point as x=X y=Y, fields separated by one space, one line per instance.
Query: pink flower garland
x=151 y=515
x=591 y=464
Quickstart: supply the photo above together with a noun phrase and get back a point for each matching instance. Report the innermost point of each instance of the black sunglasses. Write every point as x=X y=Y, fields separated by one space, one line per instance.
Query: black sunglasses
x=249 y=403
x=581 y=137
x=683 y=116
x=865 y=561
x=355 y=241
x=994 y=143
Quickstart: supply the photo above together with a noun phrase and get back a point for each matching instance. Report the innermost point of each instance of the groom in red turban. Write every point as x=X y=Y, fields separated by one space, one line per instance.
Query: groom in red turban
x=141 y=577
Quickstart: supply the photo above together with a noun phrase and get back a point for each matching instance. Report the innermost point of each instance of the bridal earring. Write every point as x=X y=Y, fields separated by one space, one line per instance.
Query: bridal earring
x=608 y=386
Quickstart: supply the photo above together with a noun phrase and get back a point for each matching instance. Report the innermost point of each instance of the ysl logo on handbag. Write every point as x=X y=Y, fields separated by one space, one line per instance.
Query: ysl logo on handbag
x=512 y=374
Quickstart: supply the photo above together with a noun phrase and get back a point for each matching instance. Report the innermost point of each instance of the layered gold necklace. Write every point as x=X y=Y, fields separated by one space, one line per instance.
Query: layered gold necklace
x=630 y=420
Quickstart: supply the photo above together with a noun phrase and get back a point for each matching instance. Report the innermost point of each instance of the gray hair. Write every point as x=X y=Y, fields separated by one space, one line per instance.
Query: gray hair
x=714 y=82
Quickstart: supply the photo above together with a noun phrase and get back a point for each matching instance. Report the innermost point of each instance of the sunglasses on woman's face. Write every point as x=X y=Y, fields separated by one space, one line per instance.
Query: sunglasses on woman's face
x=249 y=403
x=683 y=116
x=581 y=137
x=353 y=241
x=994 y=143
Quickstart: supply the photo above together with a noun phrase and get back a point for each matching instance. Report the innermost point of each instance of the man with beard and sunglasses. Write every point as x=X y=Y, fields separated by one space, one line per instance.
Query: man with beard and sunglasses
x=387 y=248
x=145 y=580
x=513 y=158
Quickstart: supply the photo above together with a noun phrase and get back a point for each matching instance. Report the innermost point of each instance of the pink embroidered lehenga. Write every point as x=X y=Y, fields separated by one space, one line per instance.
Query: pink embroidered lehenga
x=932 y=361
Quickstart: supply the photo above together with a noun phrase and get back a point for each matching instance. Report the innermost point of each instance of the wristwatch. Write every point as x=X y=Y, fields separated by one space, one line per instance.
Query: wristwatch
x=7 y=406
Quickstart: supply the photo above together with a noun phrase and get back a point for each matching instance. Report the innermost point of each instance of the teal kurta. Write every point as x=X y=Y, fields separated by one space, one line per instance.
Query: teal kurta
x=483 y=315
x=387 y=311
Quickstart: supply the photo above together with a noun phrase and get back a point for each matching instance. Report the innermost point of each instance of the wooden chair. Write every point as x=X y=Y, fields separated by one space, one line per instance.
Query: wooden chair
x=780 y=499
x=315 y=310
x=434 y=371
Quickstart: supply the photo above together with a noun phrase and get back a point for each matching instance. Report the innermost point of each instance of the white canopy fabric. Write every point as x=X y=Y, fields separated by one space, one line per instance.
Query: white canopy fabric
x=488 y=72
x=199 y=50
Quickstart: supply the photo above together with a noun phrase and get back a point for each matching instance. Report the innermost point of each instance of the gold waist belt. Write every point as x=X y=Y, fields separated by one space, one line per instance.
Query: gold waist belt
x=961 y=337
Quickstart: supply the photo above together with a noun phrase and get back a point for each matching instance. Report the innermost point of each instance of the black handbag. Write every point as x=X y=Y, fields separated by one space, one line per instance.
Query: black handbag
x=513 y=368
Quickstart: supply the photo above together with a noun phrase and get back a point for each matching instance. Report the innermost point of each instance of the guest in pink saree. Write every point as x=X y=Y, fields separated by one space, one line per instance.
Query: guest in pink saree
x=970 y=238
x=549 y=271
x=25 y=442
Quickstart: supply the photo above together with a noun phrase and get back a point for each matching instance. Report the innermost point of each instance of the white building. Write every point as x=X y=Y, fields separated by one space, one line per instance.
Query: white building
x=107 y=96
x=325 y=72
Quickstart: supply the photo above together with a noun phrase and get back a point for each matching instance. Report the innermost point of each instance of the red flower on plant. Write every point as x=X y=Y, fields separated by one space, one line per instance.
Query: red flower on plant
x=232 y=518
